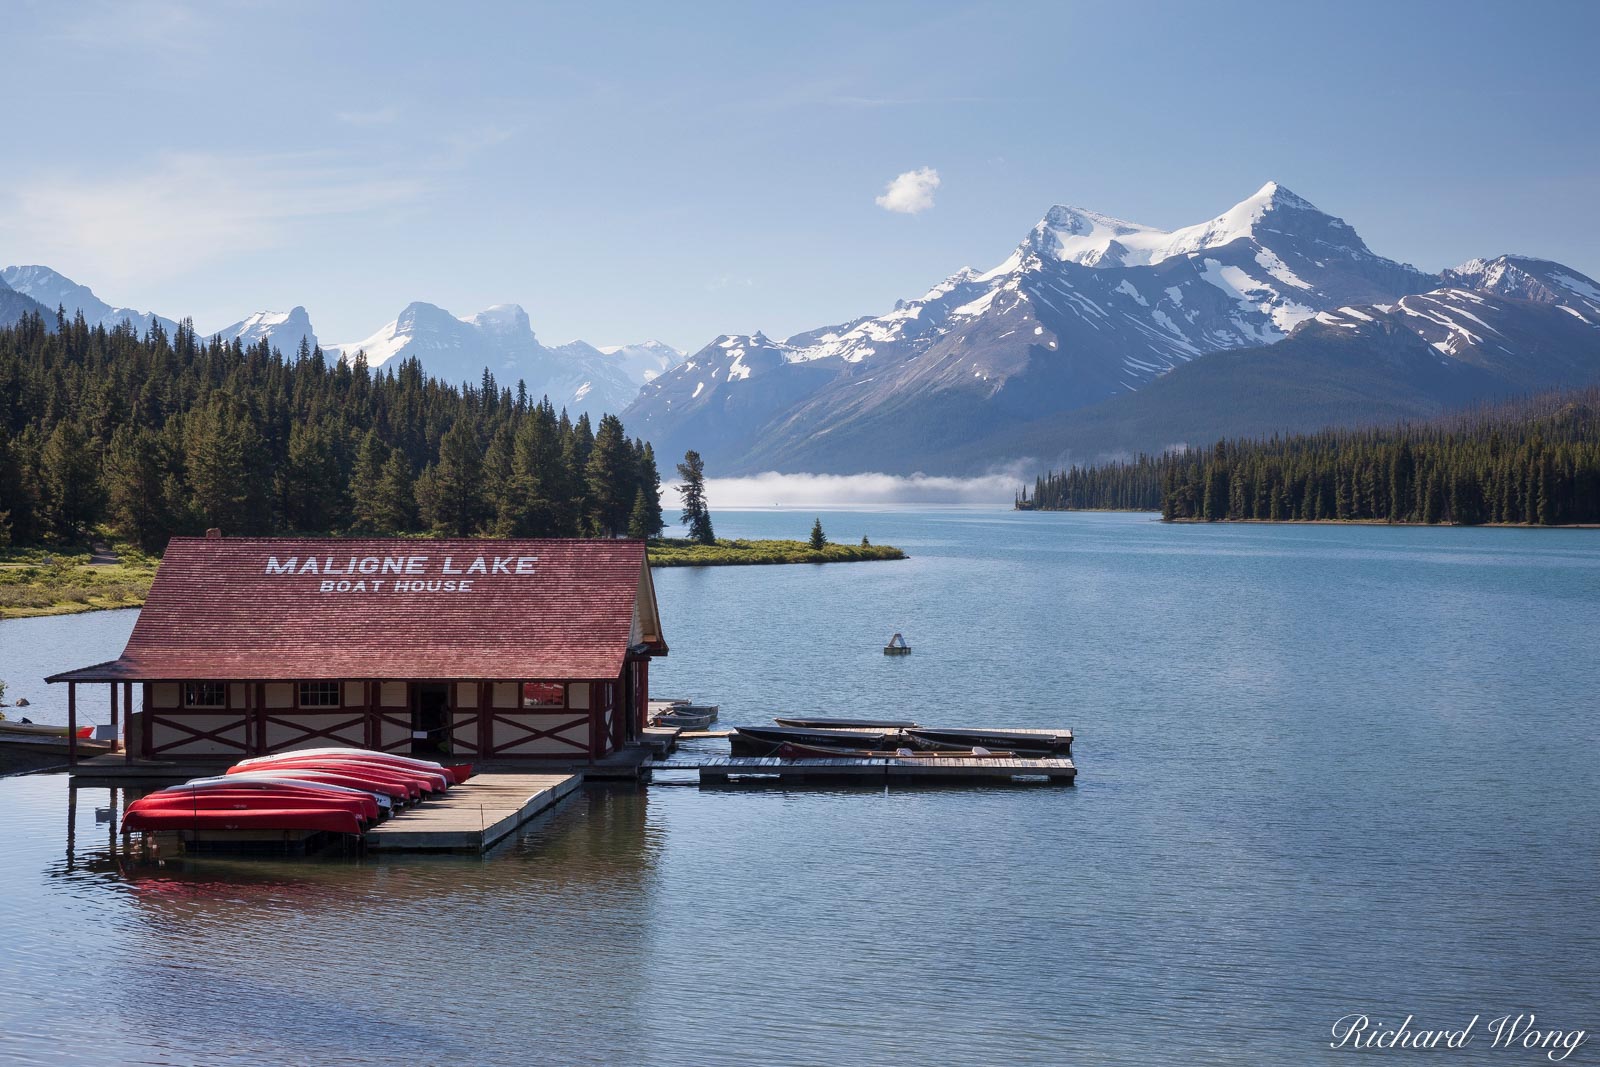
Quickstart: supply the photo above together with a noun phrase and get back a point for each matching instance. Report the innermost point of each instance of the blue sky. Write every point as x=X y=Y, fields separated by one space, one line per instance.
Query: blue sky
x=677 y=171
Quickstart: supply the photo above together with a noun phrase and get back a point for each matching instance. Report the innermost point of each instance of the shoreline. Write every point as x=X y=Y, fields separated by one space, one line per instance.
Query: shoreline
x=45 y=594
x=1313 y=522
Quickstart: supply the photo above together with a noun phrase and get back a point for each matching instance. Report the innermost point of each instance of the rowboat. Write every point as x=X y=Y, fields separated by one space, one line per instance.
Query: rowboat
x=764 y=740
x=179 y=818
x=685 y=720
x=842 y=724
x=39 y=738
x=458 y=773
x=1024 y=741
x=793 y=750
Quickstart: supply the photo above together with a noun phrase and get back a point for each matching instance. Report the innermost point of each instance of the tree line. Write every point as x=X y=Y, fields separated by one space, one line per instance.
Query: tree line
x=1533 y=462
x=156 y=435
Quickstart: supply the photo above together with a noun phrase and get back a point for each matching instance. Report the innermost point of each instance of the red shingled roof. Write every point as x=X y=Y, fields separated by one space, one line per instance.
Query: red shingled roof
x=236 y=608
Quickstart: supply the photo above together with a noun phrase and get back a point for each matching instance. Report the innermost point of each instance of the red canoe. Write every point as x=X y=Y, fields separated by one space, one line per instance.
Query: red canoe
x=248 y=800
x=418 y=780
x=401 y=792
x=457 y=773
x=162 y=818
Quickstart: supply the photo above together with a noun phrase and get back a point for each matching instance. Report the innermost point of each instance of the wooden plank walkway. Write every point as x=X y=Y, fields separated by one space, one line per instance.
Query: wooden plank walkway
x=474 y=816
x=723 y=768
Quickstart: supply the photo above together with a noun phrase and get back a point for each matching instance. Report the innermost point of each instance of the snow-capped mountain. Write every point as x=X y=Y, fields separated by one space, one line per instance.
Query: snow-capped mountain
x=55 y=290
x=1085 y=308
x=1530 y=322
x=282 y=330
x=576 y=375
x=645 y=361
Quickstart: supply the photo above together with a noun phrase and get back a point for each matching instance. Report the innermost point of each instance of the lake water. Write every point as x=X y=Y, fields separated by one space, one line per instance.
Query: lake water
x=1321 y=771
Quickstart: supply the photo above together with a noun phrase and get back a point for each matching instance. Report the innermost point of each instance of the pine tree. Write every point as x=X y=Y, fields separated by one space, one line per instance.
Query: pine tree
x=454 y=502
x=366 y=476
x=71 y=484
x=394 y=504
x=818 y=540
x=639 y=517
x=693 y=491
x=135 y=472
x=610 y=478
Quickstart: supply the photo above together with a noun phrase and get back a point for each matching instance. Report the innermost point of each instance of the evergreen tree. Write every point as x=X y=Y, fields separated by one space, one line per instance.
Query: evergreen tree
x=135 y=473
x=818 y=540
x=71 y=485
x=639 y=517
x=394 y=505
x=693 y=491
x=611 y=478
x=454 y=502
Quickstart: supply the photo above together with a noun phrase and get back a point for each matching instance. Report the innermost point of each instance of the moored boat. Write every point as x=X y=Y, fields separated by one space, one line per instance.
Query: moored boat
x=1024 y=742
x=794 y=750
x=841 y=724
x=765 y=740
x=685 y=720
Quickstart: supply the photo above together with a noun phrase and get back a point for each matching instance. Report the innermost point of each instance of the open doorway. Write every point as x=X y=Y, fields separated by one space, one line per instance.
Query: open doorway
x=430 y=719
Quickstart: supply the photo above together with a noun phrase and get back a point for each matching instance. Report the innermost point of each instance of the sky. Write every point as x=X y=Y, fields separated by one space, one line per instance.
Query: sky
x=677 y=171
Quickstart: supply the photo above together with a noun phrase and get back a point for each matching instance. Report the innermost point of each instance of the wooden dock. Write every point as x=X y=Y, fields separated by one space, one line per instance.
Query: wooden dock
x=474 y=816
x=726 y=768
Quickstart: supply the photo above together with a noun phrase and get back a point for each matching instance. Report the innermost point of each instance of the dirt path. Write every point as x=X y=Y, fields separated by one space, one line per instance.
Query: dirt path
x=100 y=555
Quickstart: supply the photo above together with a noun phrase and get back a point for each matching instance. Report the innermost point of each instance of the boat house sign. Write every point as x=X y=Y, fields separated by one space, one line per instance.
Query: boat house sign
x=399 y=574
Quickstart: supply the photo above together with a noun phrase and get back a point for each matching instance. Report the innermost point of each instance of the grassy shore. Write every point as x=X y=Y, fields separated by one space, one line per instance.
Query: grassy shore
x=39 y=582
x=681 y=552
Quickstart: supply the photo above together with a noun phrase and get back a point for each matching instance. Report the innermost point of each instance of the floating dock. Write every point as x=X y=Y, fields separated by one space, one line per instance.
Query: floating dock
x=725 y=768
x=471 y=817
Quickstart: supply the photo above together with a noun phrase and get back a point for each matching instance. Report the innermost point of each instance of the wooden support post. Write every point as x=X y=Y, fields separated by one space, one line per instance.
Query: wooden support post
x=72 y=722
x=127 y=722
x=116 y=717
x=261 y=718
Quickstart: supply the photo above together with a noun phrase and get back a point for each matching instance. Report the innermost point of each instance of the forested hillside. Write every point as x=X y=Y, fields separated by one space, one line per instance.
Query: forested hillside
x=1534 y=461
x=155 y=435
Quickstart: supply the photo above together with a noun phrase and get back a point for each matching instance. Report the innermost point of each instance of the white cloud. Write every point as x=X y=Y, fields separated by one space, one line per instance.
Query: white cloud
x=185 y=210
x=911 y=192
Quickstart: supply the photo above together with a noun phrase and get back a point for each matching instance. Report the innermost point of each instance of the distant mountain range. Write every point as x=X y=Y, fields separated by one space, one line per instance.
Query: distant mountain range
x=1095 y=337
x=1098 y=335
x=576 y=376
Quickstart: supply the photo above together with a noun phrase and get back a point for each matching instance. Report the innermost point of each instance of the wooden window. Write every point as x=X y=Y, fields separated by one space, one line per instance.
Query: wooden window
x=203 y=695
x=319 y=694
x=544 y=695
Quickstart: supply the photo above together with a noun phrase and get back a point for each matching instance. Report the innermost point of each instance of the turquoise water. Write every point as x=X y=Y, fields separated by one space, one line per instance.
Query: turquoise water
x=1322 y=771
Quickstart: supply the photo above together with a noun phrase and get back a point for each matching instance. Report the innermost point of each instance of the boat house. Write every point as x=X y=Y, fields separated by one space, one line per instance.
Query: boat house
x=476 y=649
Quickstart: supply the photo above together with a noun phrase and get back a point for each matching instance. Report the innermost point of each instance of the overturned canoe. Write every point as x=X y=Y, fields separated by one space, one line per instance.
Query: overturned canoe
x=288 y=819
x=457 y=773
x=363 y=808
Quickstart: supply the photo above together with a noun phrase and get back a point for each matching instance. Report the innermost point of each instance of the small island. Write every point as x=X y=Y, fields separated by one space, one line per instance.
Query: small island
x=684 y=552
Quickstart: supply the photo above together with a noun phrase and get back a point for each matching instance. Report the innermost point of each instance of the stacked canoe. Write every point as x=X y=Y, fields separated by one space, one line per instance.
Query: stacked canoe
x=325 y=790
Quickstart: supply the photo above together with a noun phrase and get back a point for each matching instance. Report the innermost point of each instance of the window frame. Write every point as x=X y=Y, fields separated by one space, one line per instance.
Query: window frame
x=191 y=688
x=523 y=700
x=335 y=688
